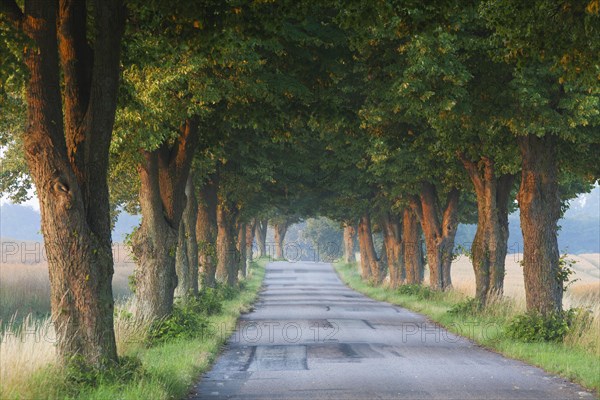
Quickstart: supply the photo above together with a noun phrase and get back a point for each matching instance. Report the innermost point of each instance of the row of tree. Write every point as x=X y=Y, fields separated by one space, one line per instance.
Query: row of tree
x=212 y=118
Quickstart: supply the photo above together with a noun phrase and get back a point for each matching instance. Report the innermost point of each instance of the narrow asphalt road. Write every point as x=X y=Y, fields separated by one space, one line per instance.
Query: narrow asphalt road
x=310 y=337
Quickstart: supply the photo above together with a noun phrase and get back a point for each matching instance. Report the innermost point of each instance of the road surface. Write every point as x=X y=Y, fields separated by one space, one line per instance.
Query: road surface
x=311 y=337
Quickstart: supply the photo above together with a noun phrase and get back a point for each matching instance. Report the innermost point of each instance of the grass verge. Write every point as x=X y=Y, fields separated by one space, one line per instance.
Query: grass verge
x=576 y=358
x=163 y=370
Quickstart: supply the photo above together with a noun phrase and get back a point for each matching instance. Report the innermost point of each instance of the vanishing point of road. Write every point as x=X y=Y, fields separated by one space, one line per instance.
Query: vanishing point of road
x=311 y=337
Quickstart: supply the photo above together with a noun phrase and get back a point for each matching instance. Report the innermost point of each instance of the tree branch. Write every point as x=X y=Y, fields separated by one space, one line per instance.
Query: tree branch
x=415 y=205
x=449 y=219
x=472 y=171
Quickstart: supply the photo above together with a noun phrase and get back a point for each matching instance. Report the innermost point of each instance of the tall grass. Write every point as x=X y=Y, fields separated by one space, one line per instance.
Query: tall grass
x=26 y=348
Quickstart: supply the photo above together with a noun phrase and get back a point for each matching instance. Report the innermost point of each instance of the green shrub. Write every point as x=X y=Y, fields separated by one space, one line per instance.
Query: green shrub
x=533 y=327
x=469 y=306
x=208 y=302
x=183 y=323
x=419 y=291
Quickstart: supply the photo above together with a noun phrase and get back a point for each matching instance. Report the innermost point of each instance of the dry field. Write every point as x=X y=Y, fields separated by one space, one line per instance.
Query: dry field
x=24 y=283
x=585 y=287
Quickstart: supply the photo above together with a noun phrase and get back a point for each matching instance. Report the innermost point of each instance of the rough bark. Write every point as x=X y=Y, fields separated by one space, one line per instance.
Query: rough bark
x=539 y=203
x=490 y=244
x=370 y=267
x=206 y=232
x=280 y=229
x=261 y=236
x=163 y=176
x=241 y=247
x=227 y=254
x=186 y=265
x=411 y=240
x=392 y=238
x=69 y=162
x=439 y=228
x=349 y=233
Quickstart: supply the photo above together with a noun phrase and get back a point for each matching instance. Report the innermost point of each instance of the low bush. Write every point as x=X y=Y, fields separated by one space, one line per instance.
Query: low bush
x=534 y=327
x=185 y=322
x=209 y=301
x=419 y=291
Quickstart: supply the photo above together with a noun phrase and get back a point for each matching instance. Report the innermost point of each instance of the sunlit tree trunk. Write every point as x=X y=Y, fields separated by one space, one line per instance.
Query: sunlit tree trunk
x=390 y=225
x=491 y=239
x=66 y=143
x=539 y=203
x=411 y=240
x=439 y=229
x=370 y=267
x=163 y=176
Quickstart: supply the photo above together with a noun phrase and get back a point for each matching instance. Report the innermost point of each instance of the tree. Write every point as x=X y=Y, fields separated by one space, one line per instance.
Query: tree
x=555 y=113
x=261 y=236
x=250 y=229
x=164 y=176
x=412 y=248
x=75 y=81
x=349 y=234
x=206 y=231
x=370 y=265
x=280 y=224
x=227 y=255
x=186 y=264
x=392 y=236
x=325 y=237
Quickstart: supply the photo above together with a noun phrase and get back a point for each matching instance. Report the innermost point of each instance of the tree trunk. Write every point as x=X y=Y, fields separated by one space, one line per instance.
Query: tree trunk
x=280 y=229
x=349 y=233
x=491 y=239
x=261 y=236
x=227 y=255
x=390 y=225
x=241 y=247
x=206 y=232
x=539 y=203
x=411 y=240
x=370 y=268
x=187 y=247
x=250 y=229
x=163 y=176
x=69 y=162
x=439 y=230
